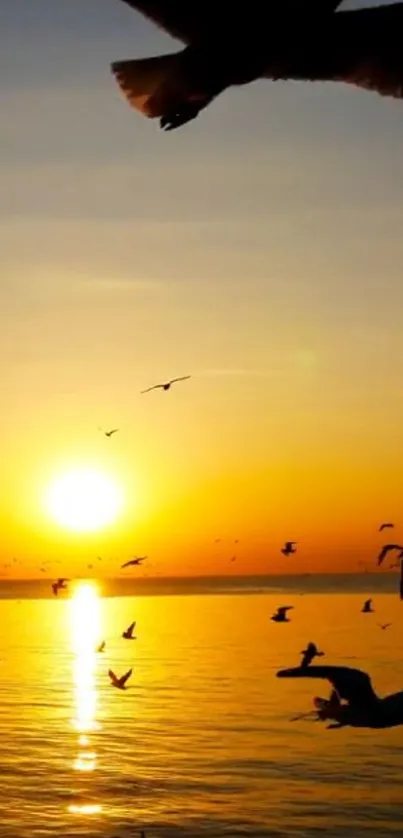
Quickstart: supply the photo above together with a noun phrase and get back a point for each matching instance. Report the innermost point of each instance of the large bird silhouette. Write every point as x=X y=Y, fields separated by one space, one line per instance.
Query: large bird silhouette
x=235 y=44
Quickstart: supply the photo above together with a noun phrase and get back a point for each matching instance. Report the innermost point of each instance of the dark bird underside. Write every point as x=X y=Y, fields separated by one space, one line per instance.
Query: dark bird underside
x=229 y=44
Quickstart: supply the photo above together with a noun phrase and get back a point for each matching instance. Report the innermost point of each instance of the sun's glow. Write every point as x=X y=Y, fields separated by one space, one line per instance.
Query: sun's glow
x=85 y=622
x=83 y=500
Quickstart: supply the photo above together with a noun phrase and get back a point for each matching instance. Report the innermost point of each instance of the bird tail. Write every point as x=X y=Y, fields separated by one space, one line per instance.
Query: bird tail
x=148 y=83
x=360 y=47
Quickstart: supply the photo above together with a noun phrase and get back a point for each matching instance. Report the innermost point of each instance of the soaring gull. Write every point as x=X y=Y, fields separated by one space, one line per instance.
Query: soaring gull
x=353 y=701
x=235 y=44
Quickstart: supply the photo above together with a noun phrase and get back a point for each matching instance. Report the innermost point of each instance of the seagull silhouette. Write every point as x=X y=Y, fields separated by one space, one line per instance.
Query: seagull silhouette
x=384 y=626
x=227 y=45
x=367 y=607
x=128 y=633
x=167 y=385
x=288 y=548
x=101 y=647
x=119 y=683
x=362 y=707
x=280 y=616
x=138 y=560
x=386 y=549
x=310 y=653
x=109 y=433
x=385 y=526
x=60 y=585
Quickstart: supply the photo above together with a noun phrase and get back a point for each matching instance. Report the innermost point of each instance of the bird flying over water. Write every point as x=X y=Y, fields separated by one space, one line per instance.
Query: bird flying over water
x=385 y=526
x=310 y=653
x=60 y=585
x=384 y=626
x=119 y=683
x=361 y=707
x=280 y=616
x=386 y=549
x=167 y=385
x=101 y=647
x=367 y=607
x=138 y=560
x=109 y=433
x=288 y=548
x=230 y=45
x=128 y=633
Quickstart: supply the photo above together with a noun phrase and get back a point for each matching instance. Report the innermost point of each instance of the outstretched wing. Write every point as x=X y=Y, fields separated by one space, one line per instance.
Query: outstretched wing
x=284 y=609
x=112 y=676
x=125 y=678
x=181 y=378
x=353 y=685
x=154 y=387
x=199 y=20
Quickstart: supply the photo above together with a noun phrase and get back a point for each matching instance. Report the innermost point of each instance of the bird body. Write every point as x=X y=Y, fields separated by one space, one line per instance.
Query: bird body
x=277 y=39
x=288 y=548
x=167 y=385
x=361 y=707
x=59 y=585
x=280 y=616
x=310 y=653
x=128 y=633
x=367 y=607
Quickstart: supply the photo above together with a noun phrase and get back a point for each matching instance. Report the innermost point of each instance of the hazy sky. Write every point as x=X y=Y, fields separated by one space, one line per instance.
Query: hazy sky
x=258 y=249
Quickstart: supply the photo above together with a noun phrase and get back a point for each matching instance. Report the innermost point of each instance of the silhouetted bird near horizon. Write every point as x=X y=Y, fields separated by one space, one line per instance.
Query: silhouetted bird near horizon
x=167 y=385
x=288 y=548
x=101 y=647
x=60 y=585
x=119 y=683
x=128 y=633
x=234 y=44
x=362 y=707
x=387 y=549
x=384 y=626
x=138 y=560
x=367 y=607
x=310 y=653
x=280 y=616
x=385 y=526
x=109 y=433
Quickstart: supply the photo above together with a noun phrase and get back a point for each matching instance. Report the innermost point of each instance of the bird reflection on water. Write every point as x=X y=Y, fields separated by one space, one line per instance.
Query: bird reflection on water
x=85 y=630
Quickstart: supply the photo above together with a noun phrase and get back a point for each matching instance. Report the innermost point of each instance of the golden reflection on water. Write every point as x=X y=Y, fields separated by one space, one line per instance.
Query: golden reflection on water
x=85 y=622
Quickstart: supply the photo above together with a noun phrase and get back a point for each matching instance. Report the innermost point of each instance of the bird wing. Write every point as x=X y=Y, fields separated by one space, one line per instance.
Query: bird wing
x=126 y=564
x=360 y=47
x=182 y=378
x=384 y=552
x=351 y=684
x=113 y=677
x=198 y=20
x=284 y=609
x=154 y=387
x=125 y=677
x=114 y=430
x=131 y=627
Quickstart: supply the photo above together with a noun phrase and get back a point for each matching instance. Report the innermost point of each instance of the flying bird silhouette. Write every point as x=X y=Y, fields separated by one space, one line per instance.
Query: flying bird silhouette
x=119 y=683
x=101 y=647
x=386 y=549
x=288 y=548
x=385 y=526
x=167 y=385
x=234 y=45
x=367 y=607
x=362 y=707
x=128 y=633
x=109 y=433
x=384 y=626
x=138 y=560
x=60 y=585
x=310 y=653
x=280 y=616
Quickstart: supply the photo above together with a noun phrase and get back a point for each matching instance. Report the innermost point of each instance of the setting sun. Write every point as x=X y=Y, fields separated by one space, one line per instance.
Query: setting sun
x=83 y=500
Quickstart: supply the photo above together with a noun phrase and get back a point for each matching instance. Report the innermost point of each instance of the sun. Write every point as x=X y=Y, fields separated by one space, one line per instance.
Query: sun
x=83 y=500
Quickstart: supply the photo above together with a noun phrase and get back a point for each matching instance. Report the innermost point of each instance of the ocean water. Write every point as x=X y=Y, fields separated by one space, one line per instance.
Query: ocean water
x=201 y=744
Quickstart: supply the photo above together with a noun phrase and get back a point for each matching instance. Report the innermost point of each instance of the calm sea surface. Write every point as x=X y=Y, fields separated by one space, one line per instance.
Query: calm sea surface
x=202 y=743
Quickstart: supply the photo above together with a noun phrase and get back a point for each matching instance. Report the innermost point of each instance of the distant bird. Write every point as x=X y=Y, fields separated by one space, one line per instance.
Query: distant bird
x=227 y=46
x=384 y=626
x=128 y=633
x=310 y=653
x=367 y=607
x=138 y=560
x=60 y=585
x=233 y=559
x=167 y=385
x=288 y=548
x=280 y=616
x=101 y=647
x=119 y=683
x=384 y=526
x=386 y=549
x=109 y=433
x=362 y=707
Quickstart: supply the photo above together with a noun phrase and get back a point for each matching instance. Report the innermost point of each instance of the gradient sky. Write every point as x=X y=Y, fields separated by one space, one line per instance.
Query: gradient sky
x=258 y=249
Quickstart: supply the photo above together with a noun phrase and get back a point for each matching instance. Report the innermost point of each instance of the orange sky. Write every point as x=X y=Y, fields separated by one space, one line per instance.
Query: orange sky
x=259 y=250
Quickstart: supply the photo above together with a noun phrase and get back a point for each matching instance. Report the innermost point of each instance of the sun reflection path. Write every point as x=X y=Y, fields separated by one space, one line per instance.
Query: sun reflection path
x=85 y=622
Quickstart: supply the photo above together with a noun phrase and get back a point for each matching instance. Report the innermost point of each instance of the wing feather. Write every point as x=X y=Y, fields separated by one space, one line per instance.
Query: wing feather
x=353 y=685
